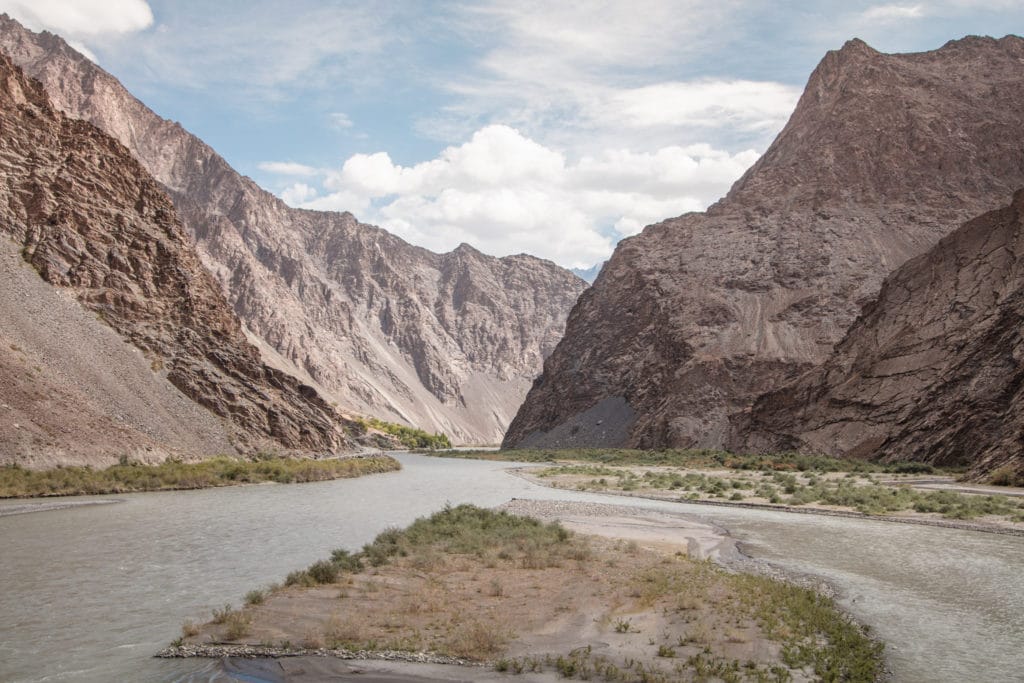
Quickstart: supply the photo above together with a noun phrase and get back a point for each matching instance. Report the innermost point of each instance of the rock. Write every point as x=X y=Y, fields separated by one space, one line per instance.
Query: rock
x=932 y=369
x=693 y=319
x=89 y=219
x=446 y=342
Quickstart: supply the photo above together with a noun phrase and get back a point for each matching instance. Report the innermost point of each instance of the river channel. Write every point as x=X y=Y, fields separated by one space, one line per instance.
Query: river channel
x=89 y=593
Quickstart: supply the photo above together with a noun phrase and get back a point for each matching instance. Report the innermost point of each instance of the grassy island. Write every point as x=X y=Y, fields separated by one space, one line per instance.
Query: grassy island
x=520 y=595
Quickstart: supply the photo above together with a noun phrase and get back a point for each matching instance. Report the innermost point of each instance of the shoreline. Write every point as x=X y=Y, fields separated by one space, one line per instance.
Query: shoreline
x=215 y=472
x=801 y=510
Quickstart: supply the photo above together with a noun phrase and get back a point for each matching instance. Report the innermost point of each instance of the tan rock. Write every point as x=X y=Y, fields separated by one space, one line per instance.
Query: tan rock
x=88 y=218
x=446 y=342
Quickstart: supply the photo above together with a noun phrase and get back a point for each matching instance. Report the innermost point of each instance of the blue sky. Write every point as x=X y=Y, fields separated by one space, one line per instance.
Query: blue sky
x=549 y=128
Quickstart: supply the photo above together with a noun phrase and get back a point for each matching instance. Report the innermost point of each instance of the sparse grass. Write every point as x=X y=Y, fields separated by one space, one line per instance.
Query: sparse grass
x=237 y=625
x=857 y=491
x=17 y=482
x=1008 y=475
x=465 y=530
x=220 y=616
x=478 y=639
x=700 y=459
x=811 y=629
x=255 y=597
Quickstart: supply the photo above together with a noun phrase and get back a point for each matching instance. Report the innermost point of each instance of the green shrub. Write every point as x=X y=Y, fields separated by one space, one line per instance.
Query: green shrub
x=172 y=474
x=255 y=597
x=410 y=437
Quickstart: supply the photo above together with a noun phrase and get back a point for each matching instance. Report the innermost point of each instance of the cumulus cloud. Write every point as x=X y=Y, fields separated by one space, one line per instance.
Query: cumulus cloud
x=298 y=194
x=506 y=193
x=893 y=12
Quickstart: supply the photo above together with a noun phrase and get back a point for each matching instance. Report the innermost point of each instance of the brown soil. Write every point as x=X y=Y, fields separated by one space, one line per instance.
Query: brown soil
x=636 y=597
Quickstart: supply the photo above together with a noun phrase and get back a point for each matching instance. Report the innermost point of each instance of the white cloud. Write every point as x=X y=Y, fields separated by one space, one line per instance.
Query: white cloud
x=506 y=193
x=263 y=52
x=287 y=168
x=893 y=12
x=586 y=76
x=340 y=120
x=298 y=194
x=716 y=104
x=79 y=18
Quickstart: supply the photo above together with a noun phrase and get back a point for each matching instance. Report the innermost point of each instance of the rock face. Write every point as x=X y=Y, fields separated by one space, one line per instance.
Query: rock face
x=445 y=342
x=88 y=218
x=934 y=368
x=692 y=320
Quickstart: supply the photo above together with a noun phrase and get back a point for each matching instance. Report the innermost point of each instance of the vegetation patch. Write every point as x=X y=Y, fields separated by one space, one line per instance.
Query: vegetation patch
x=513 y=591
x=127 y=477
x=858 y=491
x=702 y=459
x=409 y=437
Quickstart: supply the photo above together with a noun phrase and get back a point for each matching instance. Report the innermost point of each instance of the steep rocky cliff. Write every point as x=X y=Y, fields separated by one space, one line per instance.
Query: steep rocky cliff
x=932 y=371
x=88 y=218
x=694 y=318
x=446 y=342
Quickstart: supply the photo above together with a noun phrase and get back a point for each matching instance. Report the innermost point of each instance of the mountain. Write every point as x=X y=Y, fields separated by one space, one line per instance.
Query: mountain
x=445 y=342
x=589 y=274
x=78 y=212
x=931 y=371
x=693 y=319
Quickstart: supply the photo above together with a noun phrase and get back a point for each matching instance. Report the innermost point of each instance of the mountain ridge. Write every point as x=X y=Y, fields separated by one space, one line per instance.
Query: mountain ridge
x=90 y=220
x=367 y=319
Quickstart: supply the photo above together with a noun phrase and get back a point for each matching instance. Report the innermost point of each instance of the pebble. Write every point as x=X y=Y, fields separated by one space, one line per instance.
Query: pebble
x=252 y=651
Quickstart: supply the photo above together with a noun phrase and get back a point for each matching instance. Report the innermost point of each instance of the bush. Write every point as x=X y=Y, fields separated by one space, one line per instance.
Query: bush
x=16 y=482
x=323 y=571
x=255 y=597
x=410 y=437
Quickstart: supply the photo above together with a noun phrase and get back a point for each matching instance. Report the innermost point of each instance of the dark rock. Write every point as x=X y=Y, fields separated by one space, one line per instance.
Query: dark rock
x=692 y=320
x=932 y=371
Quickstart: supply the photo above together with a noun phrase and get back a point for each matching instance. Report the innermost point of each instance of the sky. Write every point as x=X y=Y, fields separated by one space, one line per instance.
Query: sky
x=549 y=128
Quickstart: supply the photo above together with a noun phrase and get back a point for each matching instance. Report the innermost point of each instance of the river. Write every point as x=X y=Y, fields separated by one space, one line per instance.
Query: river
x=89 y=593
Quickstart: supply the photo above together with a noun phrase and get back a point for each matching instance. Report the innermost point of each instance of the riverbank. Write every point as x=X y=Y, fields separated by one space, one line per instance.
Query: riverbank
x=17 y=482
x=843 y=494
x=629 y=595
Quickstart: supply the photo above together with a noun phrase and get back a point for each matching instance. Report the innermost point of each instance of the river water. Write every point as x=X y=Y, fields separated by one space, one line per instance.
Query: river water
x=89 y=593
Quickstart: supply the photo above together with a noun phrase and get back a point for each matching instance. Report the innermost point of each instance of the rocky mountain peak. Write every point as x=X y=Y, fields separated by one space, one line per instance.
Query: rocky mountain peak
x=877 y=128
x=89 y=219
x=697 y=316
